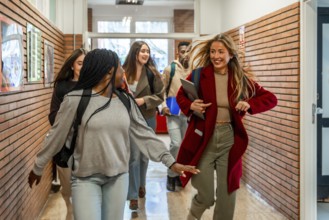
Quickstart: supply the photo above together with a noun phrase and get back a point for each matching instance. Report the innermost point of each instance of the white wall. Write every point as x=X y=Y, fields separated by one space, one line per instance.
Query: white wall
x=239 y=12
x=210 y=16
x=71 y=16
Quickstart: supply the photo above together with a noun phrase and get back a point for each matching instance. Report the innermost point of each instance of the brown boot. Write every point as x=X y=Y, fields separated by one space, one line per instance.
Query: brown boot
x=133 y=204
x=141 y=192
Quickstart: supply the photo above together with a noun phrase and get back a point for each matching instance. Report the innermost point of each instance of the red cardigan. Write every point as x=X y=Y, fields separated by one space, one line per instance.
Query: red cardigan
x=193 y=144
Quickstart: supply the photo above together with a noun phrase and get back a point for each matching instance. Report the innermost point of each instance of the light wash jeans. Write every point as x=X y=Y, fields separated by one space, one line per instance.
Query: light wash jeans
x=176 y=125
x=99 y=197
x=138 y=164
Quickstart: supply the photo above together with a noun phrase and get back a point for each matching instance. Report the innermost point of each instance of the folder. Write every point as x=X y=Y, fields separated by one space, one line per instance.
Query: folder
x=192 y=94
x=173 y=106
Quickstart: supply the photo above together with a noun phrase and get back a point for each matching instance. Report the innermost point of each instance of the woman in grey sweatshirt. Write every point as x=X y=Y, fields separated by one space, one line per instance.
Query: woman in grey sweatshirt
x=101 y=156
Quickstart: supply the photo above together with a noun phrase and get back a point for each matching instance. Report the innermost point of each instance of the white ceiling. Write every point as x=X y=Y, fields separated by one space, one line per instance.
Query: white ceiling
x=146 y=2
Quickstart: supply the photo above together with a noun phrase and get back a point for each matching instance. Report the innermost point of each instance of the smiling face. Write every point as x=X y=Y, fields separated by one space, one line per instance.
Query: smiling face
x=143 y=55
x=219 y=56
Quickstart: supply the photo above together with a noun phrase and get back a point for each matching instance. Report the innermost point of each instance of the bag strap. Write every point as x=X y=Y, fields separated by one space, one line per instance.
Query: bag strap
x=124 y=97
x=196 y=77
x=150 y=78
x=84 y=101
x=172 y=73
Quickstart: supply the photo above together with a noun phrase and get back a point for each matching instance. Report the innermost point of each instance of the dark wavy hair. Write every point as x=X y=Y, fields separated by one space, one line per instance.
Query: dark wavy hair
x=130 y=63
x=66 y=73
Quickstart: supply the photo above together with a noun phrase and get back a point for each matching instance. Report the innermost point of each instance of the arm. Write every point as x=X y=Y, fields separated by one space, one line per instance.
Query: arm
x=263 y=100
x=57 y=135
x=54 y=106
x=166 y=76
x=146 y=140
x=150 y=145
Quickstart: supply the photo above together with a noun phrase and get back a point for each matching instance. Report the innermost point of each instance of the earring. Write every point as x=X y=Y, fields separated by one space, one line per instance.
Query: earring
x=72 y=68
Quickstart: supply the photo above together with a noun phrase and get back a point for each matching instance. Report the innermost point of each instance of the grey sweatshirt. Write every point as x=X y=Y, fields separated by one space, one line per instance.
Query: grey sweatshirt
x=103 y=146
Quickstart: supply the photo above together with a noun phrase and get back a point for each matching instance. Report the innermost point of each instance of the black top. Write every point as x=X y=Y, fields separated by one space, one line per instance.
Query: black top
x=61 y=89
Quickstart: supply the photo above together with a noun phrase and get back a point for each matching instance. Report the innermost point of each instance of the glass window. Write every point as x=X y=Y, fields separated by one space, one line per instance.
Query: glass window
x=113 y=26
x=159 y=47
x=120 y=46
x=151 y=27
x=159 y=52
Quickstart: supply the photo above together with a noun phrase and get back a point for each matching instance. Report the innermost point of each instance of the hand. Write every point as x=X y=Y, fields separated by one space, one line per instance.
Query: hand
x=166 y=111
x=198 y=106
x=33 y=178
x=180 y=168
x=242 y=106
x=140 y=101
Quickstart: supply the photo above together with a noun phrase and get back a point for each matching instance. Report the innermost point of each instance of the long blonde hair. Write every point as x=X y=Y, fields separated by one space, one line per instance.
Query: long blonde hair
x=242 y=79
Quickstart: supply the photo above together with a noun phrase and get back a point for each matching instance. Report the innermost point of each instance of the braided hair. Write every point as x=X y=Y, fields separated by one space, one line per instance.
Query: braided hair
x=96 y=65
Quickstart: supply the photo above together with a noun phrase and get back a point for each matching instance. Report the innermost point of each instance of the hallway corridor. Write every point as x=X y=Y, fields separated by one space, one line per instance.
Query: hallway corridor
x=160 y=204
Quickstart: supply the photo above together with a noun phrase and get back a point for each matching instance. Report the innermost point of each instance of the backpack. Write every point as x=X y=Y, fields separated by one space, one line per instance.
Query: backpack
x=172 y=73
x=63 y=156
x=195 y=78
x=150 y=79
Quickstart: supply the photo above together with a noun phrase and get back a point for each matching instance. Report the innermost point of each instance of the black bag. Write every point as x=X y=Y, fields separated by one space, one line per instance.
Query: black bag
x=63 y=156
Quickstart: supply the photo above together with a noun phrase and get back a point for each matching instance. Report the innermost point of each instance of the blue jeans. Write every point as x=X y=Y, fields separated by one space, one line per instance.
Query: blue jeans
x=138 y=166
x=99 y=197
x=176 y=128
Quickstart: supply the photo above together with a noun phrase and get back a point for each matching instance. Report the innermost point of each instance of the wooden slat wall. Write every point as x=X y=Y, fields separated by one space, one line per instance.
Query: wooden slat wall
x=24 y=123
x=70 y=40
x=271 y=162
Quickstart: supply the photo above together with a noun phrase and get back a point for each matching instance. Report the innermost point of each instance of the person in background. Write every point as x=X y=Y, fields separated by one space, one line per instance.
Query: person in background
x=64 y=82
x=176 y=123
x=102 y=151
x=226 y=93
x=146 y=85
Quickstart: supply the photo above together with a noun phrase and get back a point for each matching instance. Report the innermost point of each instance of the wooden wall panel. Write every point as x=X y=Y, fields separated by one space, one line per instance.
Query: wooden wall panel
x=271 y=162
x=24 y=123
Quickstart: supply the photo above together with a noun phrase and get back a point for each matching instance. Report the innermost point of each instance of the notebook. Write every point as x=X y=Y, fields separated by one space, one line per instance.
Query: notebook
x=172 y=105
x=192 y=94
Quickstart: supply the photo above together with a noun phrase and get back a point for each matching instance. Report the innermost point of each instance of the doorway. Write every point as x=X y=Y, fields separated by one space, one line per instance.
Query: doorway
x=322 y=113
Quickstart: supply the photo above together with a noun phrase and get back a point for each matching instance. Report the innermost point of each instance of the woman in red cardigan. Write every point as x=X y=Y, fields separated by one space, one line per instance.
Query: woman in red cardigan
x=217 y=143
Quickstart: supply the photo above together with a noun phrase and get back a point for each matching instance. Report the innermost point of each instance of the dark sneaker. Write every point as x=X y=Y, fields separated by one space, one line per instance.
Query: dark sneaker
x=171 y=183
x=178 y=182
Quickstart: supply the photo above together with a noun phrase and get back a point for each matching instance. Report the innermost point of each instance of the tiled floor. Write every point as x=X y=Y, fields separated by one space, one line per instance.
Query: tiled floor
x=323 y=211
x=160 y=204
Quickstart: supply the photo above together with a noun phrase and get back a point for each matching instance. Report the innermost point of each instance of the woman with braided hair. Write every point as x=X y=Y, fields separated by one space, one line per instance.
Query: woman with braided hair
x=101 y=156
